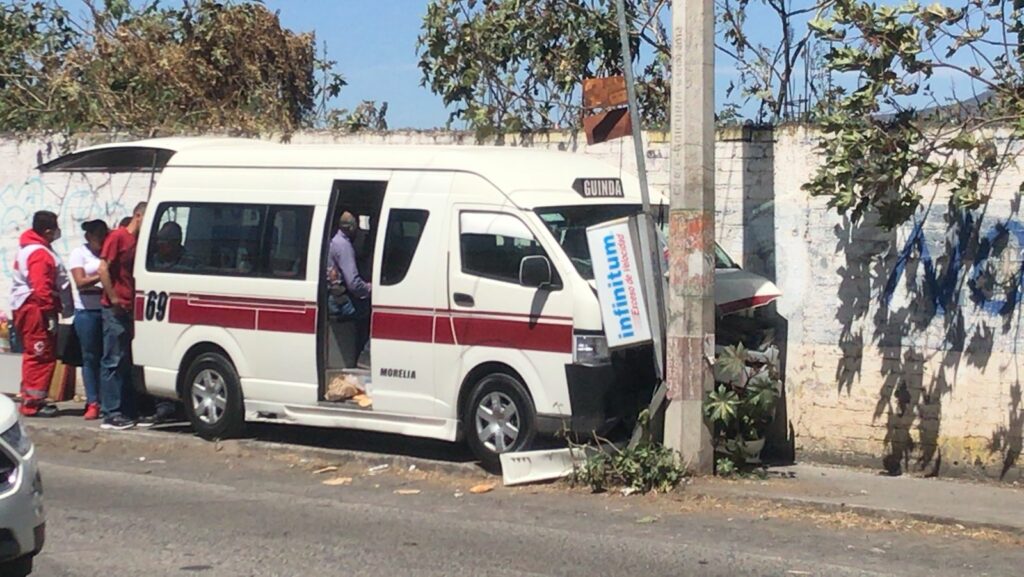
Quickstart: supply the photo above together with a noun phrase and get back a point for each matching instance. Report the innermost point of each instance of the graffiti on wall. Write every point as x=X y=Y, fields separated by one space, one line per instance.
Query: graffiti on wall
x=987 y=260
x=73 y=198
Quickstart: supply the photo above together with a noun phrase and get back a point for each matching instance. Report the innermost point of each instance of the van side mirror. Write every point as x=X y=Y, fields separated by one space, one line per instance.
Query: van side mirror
x=535 y=271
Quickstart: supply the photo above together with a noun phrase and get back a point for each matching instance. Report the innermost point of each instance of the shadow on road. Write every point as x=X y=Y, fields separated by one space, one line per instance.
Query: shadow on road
x=347 y=440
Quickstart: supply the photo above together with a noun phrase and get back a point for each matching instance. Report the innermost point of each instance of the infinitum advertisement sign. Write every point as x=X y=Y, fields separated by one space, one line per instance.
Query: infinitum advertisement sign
x=617 y=273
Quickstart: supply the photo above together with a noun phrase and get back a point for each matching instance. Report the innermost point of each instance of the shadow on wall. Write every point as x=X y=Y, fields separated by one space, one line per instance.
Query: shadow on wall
x=1008 y=440
x=757 y=151
x=936 y=304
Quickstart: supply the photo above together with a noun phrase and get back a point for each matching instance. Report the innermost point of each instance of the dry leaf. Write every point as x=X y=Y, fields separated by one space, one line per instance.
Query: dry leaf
x=482 y=488
x=647 y=520
x=328 y=469
x=407 y=492
x=338 y=481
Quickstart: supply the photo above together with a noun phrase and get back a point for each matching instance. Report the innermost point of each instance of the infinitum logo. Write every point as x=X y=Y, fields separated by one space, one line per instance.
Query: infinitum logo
x=617 y=282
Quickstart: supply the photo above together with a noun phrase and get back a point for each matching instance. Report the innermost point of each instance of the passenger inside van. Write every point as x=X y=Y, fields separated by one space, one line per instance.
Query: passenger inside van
x=170 y=253
x=349 y=293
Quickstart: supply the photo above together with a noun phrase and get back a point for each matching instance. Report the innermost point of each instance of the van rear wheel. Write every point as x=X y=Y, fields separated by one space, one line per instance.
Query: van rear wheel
x=499 y=418
x=213 y=397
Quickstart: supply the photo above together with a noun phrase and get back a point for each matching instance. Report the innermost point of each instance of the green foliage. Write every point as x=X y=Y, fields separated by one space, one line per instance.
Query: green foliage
x=725 y=467
x=648 y=466
x=742 y=404
x=516 y=66
x=205 y=65
x=366 y=116
x=881 y=150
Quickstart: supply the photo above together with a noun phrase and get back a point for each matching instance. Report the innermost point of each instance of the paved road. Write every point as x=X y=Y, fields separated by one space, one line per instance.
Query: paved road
x=222 y=513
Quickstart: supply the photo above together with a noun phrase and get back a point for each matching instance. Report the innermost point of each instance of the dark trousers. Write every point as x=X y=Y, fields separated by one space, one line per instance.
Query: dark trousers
x=362 y=316
x=117 y=392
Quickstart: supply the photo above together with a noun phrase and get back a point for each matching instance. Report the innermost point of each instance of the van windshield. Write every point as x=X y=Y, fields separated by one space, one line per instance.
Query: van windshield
x=568 y=224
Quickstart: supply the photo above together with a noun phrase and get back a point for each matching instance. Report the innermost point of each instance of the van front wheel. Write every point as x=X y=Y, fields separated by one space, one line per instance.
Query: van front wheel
x=213 y=397
x=499 y=418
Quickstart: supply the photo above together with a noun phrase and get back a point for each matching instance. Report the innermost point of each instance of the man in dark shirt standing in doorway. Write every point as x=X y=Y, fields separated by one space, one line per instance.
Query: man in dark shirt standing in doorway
x=343 y=268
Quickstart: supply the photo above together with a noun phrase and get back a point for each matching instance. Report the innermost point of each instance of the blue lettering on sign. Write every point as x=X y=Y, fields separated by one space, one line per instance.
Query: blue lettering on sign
x=620 y=306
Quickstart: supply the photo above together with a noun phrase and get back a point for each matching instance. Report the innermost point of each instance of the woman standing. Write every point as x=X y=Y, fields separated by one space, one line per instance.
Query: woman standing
x=85 y=264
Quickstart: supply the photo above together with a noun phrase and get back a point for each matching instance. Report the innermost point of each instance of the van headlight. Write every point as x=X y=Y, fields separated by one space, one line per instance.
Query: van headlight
x=591 y=350
x=17 y=439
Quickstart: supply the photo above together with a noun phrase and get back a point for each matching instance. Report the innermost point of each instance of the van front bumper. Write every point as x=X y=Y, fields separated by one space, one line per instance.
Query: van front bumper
x=595 y=398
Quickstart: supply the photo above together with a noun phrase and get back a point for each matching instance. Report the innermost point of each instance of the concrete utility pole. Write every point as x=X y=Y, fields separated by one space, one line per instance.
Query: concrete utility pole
x=691 y=318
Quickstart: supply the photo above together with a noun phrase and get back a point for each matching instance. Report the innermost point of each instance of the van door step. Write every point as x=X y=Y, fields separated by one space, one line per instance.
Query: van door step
x=349 y=386
x=349 y=404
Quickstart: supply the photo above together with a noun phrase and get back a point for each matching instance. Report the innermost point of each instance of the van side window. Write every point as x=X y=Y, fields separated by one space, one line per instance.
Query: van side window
x=248 y=240
x=288 y=241
x=493 y=245
x=405 y=228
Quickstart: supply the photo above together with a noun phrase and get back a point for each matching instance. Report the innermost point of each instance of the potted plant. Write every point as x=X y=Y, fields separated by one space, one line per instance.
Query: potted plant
x=742 y=404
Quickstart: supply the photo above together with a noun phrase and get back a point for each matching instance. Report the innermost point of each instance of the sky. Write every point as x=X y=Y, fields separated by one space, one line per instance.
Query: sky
x=374 y=44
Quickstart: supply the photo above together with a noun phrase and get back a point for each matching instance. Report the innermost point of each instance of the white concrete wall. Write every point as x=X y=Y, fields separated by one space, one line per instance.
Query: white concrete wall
x=900 y=354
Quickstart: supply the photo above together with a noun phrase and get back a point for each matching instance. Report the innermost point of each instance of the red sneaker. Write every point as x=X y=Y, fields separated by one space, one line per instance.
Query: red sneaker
x=92 y=412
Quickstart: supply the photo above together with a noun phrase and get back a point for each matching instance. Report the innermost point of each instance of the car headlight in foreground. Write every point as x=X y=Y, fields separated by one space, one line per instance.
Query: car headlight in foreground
x=17 y=439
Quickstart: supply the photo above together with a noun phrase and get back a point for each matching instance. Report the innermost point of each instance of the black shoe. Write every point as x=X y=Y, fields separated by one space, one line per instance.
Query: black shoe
x=117 y=423
x=47 y=411
x=157 y=419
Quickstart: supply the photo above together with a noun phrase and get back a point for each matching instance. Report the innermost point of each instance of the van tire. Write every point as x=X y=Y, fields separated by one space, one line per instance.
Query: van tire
x=505 y=402
x=213 y=398
x=20 y=567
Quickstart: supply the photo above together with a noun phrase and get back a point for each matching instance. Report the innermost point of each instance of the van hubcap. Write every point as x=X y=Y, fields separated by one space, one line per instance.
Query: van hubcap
x=209 y=396
x=497 y=422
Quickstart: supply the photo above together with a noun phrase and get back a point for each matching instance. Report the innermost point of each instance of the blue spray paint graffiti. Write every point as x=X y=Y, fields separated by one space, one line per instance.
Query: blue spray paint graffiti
x=995 y=277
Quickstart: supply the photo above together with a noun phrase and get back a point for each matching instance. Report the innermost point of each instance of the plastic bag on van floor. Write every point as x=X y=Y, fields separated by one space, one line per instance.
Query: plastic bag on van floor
x=343 y=388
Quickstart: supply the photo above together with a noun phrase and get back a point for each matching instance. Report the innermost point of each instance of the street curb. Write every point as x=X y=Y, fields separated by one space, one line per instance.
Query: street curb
x=51 y=434
x=867 y=511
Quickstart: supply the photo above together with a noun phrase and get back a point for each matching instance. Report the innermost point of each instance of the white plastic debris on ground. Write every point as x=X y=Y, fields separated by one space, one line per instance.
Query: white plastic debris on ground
x=536 y=466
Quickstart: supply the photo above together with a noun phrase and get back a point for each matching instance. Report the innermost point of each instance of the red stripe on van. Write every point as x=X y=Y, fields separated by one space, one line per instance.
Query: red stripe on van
x=181 y=311
x=443 y=331
x=140 y=307
x=287 y=321
x=513 y=334
x=403 y=327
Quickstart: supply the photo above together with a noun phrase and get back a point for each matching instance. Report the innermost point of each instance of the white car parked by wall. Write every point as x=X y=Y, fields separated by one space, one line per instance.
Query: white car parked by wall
x=22 y=523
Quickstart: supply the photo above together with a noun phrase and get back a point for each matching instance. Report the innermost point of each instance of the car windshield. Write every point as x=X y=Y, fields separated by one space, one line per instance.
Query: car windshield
x=568 y=224
x=722 y=259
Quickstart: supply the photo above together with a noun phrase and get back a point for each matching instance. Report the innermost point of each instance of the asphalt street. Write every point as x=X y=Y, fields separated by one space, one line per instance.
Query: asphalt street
x=152 y=509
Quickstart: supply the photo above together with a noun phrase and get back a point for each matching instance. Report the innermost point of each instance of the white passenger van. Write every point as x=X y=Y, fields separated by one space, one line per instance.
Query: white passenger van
x=485 y=324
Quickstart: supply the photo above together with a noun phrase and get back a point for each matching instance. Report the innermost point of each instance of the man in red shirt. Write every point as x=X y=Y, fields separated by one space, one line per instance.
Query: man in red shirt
x=35 y=298
x=117 y=275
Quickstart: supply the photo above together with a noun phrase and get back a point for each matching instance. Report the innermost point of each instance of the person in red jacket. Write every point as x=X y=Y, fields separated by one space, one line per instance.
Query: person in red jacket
x=38 y=280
